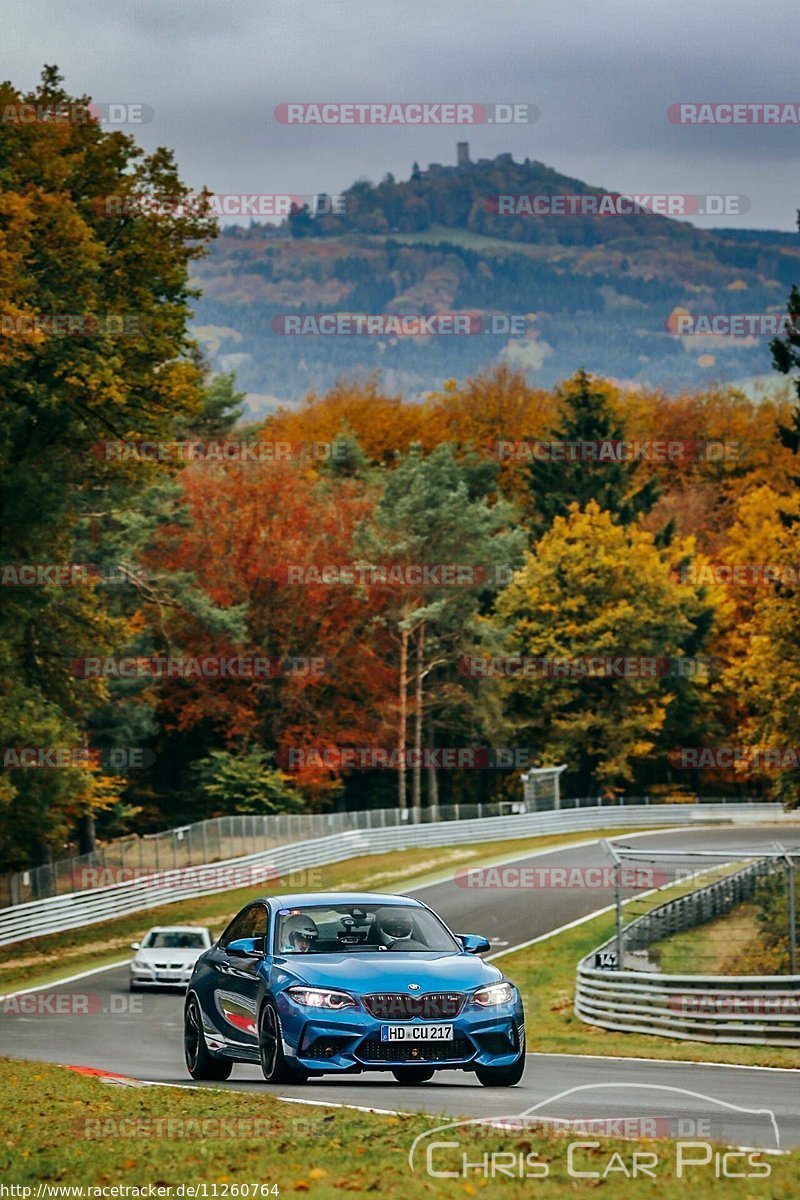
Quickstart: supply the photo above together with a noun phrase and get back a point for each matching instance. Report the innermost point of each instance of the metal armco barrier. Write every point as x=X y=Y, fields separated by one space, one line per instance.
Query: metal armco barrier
x=76 y=909
x=758 y=1009
x=697 y=907
x=221 y=838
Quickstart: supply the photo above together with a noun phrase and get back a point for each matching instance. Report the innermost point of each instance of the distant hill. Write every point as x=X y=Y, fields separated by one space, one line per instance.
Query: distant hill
x=594 y=290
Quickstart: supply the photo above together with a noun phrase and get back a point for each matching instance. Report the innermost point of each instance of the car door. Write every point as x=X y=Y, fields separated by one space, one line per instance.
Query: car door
x=237 y=980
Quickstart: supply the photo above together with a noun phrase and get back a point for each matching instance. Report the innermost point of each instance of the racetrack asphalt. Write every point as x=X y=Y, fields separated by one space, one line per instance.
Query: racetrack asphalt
x=144 y=1039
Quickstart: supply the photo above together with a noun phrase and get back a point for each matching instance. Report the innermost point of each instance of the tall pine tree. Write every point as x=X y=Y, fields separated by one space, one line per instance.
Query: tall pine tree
x=558 y=482
x=786 y=358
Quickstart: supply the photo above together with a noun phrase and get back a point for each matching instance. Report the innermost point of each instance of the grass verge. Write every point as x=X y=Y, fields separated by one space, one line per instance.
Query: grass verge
x=730 y=945
x=168 y=1137
x=43 y=960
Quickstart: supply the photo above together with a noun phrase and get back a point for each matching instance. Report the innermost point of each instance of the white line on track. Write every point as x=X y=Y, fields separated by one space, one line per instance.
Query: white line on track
x=386 y=1112
x=447 y=879
x=519 y=856
x=123 y=962
x=686 y=1062
x=598 y=912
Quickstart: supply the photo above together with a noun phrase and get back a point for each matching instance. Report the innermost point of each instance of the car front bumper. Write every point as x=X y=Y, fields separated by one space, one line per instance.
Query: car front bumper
x=160 y=979
x=350 y=1040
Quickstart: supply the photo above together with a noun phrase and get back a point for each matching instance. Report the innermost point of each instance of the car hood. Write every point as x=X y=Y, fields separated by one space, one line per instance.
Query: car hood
x=183 y=956
x=392 y=972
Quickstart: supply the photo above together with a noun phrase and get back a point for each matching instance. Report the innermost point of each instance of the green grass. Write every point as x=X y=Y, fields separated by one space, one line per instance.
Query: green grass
x=45 y=959
x=299 y=1149
x=729 y=945
x=545 y=973
x=465 y=238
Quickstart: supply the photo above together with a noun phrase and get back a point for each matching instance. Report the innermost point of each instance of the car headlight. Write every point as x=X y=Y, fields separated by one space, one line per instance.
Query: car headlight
x=495 y=993
x=320 y=998
x=141 y=964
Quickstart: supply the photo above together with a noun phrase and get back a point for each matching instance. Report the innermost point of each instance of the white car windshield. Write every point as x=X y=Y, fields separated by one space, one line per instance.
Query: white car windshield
x=360 y=928
x=174 y=939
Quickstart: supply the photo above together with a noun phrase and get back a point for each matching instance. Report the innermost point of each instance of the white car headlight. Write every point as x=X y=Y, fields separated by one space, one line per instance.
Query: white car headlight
x=320 y=998
x=495 y=993
x=141 y=964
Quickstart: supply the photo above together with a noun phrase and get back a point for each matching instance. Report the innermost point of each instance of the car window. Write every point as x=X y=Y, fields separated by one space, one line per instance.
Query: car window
x=260 y=925
x=252 y=923
x=176 y=939
x=361 y=928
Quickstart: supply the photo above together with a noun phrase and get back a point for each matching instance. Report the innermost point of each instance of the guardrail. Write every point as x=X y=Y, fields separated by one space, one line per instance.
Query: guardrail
x=221 y=838
x=55 y=914
x=740 y=1009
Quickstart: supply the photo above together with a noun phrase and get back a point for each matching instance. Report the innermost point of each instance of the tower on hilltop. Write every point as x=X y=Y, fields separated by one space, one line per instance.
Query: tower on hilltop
x=462 y=149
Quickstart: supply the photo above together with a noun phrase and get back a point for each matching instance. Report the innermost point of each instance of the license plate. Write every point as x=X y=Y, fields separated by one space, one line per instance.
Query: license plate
x=416 y=1033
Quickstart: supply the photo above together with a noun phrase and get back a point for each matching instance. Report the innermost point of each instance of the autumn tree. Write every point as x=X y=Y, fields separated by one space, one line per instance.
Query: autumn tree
x=593 y=589
x=430 y=515
x=94 y=306
x=762 y=677
x=786 y=359
x=259 y=541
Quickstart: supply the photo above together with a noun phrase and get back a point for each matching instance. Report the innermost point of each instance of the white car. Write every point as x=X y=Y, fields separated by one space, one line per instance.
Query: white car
x=166 y=956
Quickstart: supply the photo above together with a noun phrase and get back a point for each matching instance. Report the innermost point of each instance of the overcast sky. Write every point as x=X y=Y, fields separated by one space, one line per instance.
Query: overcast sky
x=602 y=74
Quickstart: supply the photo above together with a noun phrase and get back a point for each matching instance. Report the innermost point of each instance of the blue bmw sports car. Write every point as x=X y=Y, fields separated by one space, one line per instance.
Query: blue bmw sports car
x=326 y=982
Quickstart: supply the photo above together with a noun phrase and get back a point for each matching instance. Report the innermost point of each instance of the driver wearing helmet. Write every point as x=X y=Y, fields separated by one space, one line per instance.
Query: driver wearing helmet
x=300 y=938
x=397 y=931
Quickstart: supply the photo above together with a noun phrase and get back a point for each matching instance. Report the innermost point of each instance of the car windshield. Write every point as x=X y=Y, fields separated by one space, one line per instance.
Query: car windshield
x=173 y=939
x=359 y=928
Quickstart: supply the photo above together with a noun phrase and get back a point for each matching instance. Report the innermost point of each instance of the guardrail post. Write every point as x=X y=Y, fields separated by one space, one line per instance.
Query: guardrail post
x=790 y=902
x=617 y=898
x=792 y=923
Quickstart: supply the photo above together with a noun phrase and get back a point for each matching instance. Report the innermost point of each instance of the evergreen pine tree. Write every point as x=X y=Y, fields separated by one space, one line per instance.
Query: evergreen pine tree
x=556 y=483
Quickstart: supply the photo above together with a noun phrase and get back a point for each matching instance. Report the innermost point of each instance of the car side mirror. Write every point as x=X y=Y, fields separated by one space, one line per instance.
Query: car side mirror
x=244 y=948
x=136 y=945
x=473 y=943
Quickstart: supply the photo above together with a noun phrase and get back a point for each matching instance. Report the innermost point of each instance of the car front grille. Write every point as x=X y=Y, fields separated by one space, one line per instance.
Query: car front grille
x=169 y=966
x=397 y=1006
x=374 y=1051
